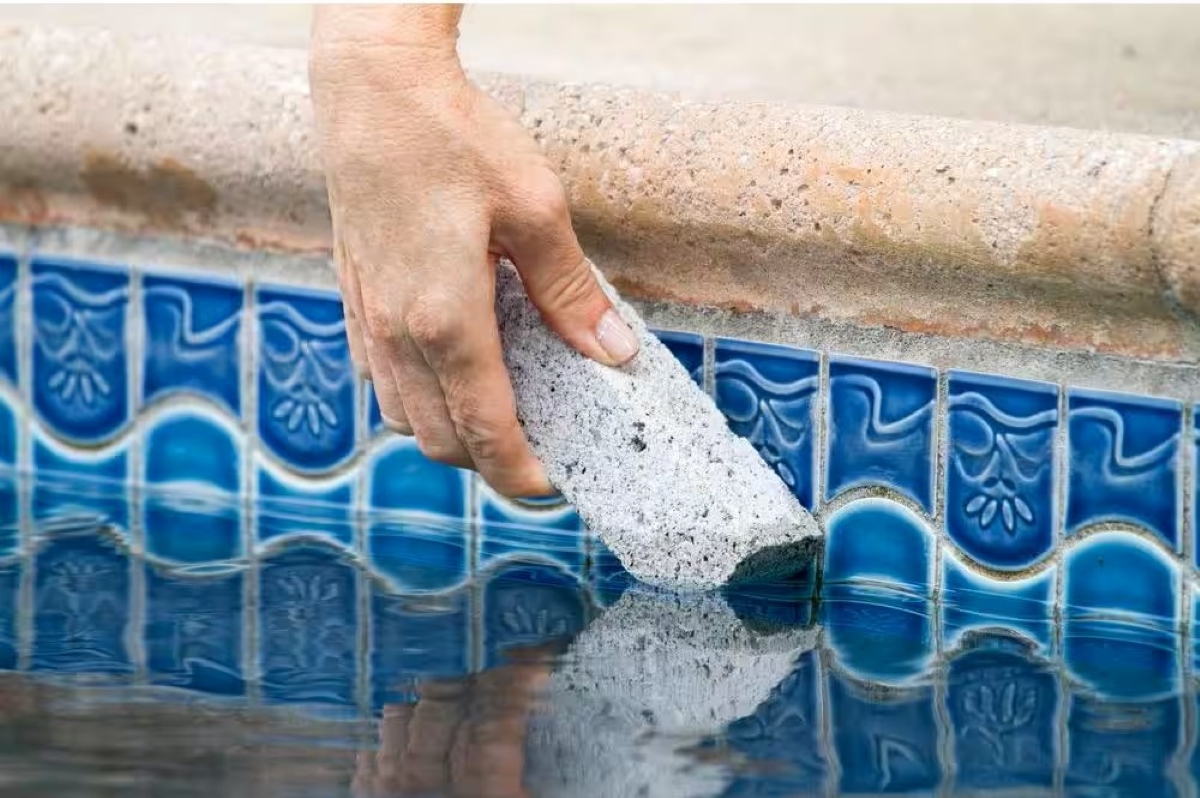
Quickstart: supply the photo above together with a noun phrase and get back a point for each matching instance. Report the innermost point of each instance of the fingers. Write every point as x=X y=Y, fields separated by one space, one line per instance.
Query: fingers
x=425 y=403
x=461 y=343
x=351 y=305
x=431 y=731
x=538 y=236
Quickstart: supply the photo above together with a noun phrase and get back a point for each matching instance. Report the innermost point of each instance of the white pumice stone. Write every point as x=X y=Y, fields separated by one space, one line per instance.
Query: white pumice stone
x=647 y=459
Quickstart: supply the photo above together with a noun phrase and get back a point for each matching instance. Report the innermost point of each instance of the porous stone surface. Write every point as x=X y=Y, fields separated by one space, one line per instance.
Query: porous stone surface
x=647 y=459
x=654 y=673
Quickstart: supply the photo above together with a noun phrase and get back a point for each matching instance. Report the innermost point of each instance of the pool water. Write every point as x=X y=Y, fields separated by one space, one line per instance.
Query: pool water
x=299 y=672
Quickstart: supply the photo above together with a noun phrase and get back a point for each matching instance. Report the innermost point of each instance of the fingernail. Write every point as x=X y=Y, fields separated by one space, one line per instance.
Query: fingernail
x=615 y=338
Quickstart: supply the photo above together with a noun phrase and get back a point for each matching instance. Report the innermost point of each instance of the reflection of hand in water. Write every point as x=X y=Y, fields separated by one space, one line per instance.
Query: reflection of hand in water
x=462 y=737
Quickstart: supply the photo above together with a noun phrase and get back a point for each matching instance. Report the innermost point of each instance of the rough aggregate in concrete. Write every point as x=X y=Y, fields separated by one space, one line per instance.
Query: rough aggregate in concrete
x=647 y=459
x=652 y=673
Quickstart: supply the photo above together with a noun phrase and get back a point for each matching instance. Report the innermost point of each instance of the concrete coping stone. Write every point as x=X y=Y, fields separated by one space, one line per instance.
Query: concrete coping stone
x=1070 y=239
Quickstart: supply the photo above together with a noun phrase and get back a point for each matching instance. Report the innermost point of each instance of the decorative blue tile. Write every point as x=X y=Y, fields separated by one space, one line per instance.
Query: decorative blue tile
x=192 y=332
x=81 y=606
x=970 y=601
x=881 y=428
x=1124 y=463
x=8 y=318
x=688 y=349
x=1120 y=603
x=879 y=541
x=550 y=527
x=1000 y=473
x=80 y=487
x=10 y=514
x=9 y=431
x=10 y=603
x=1119 y=748
x=193 y=634
x=308 y=626
x=193 y=472
x=1002 y=703
x=80 y=355
x=768 y=393
x=401 y=478
x=374 y=414
x=528 y=605
x=609 y=578
x=417 y=532
x=307 y=386
x=884 y=745
x=416 y=638
x=288 y=507
x=782 y=741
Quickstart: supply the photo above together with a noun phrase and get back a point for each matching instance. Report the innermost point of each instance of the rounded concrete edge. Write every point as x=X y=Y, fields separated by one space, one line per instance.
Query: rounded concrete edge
x=1065 y=238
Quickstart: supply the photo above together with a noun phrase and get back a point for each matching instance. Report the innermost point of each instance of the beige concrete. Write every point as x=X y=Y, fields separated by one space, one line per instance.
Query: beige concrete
x=1131 y=68
x=1070 y=239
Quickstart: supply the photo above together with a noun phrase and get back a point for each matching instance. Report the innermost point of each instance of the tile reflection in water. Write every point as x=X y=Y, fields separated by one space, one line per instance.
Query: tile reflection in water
x=516 y=675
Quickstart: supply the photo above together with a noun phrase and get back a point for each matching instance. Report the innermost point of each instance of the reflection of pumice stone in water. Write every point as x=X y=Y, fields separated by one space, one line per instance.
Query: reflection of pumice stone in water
x=653 y=675
x=648 y=460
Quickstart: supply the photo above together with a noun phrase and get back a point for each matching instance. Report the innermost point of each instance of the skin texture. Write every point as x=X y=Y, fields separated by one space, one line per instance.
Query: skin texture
x=430 y=183
x=462 y=737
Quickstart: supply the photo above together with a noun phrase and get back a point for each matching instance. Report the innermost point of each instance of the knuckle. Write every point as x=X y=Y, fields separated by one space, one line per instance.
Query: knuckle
x=548 y=206
x=432 y=323
x=438 y=449
x=571 y=286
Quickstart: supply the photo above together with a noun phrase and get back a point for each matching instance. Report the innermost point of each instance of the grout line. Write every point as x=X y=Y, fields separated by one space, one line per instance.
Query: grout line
x=1062 y=469
x=939 y=456
x=708 y=367
x=247 y=338
x=135 y=348
x=821 y=443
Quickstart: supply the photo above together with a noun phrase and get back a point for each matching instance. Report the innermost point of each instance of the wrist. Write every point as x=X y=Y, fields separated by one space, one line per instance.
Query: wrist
x=416 y=44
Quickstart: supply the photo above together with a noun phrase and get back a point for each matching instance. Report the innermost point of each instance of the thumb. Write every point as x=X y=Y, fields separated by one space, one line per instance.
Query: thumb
x=561 y=284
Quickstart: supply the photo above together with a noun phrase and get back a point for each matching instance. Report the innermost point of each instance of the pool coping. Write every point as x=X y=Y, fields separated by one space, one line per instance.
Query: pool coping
x=1051 y=238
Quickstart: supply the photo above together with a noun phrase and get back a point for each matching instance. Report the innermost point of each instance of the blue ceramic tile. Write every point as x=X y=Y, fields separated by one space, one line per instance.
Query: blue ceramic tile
x=530 y=605
x=881 y=428
x=192 y=332
x=1000 y=473
x=290 y=507
x=1124 y=463
x=80 y=356
x=768 y=393
x=9 y=431
x=1002 y=703
x=374 y=414
x=80 y=487
x=307 y=387
x=193 y=472
x=688 y=349
x=549 y=527
x=81 y=606
x=193 y=637
x=10 y=514
x=878 y=634
x=10 y=597
x=879 y=541
x=414 y=639
x=609 y=579
x=1122 y=748
x=401 y=478
x=417 y=534
x=782 y=740
x=1120 y=603
x=972 y=601
x=8 y=318
x=308 y=626
x=419 y=555
x=884 y=747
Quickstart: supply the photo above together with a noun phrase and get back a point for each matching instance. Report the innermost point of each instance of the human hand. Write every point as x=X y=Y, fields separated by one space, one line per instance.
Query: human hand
x=463 y=737
x=430 y=183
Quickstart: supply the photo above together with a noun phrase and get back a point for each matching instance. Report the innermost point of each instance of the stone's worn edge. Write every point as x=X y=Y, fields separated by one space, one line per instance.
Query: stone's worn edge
x=1067 y=239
